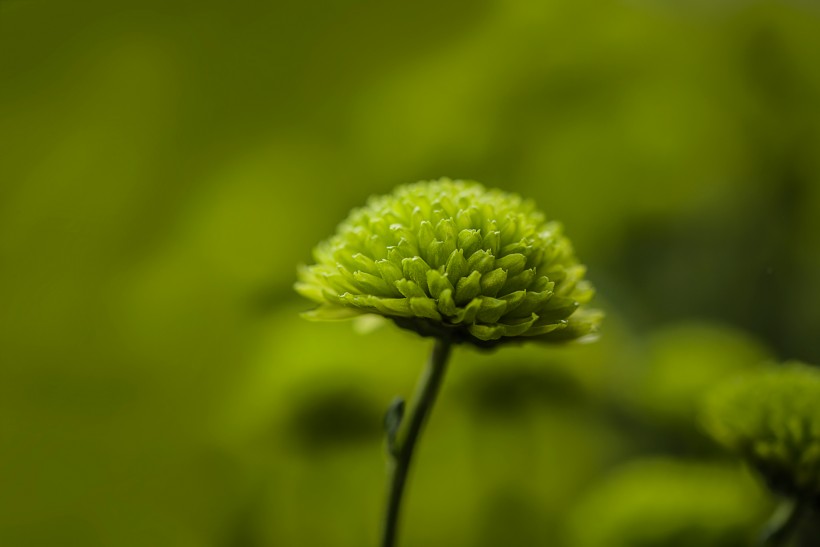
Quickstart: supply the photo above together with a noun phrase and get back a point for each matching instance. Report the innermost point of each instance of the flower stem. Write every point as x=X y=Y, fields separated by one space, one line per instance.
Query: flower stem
x=402 y=453
x=783 y=523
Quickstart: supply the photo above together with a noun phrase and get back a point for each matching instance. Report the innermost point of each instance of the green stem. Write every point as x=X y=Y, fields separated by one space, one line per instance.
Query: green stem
x=402 y=454
x=783 y=524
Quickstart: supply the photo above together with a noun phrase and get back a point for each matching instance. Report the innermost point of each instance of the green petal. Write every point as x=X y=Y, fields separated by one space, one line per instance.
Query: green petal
x=437 y=283
x=509 y=230
x=401 y=232
x=574 y=274
x=469 y=241
x=370 y=284
x=365 y=264
x=464 y=220
x=583 y=292
x=491 y=282
x=492 y=242
x=389 y=271
x=519 y=282
x=487 y=332
x=426 y=236
x=468 y=288
x=359 y=300
x=424 y=307
x=514 y=263
x=558 y=307
x=491 y=309
x=409 y=288
x=519 y=327
x=542 y=283
x=329 y=312
x=310 y=291
x=408 y=248
x=532 y=302
x=467 y=314
x=446 y=230
x=437 y=254
x=546 y=328
x=519 y=247
x=514 y=299
x=456 y=267
x=377 y=247
x=416 y=269
x=446 y=304
x=481 y=261
x=394 y=306
x=339 y=283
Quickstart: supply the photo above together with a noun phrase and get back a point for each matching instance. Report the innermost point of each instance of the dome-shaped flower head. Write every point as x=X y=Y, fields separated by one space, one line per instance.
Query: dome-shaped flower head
x=453 y=259
x=772 y=420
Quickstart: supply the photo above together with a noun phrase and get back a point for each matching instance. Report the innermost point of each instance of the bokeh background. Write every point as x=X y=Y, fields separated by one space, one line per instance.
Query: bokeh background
x=164 y=166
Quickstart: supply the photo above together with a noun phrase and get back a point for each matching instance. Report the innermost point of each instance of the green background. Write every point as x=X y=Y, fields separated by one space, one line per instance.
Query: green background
x=165 y=166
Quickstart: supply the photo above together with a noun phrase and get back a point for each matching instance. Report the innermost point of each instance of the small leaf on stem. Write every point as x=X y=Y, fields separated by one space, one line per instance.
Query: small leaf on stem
x=392 y=423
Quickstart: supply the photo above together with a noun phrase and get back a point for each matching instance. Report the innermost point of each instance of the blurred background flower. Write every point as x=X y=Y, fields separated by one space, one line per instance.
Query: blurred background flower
x=772 y=420
x=671 y=503
x=156 y=384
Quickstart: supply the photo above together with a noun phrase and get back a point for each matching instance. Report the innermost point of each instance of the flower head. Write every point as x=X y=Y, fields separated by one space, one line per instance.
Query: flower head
x=453 y=259
x=772 y=419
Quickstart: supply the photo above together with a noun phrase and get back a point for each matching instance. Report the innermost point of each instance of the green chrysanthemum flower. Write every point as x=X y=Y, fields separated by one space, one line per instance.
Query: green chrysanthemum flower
x=772 y=419
x=453 y=259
